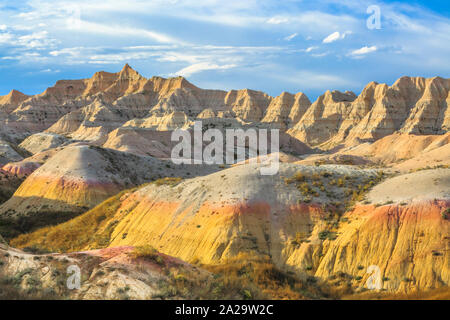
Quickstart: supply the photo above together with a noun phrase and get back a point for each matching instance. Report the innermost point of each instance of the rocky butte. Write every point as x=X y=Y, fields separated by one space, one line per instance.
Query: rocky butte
x=362 y=184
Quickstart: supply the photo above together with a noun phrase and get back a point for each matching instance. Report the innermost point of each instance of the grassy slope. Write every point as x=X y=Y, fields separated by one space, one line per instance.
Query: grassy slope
x=91 y=230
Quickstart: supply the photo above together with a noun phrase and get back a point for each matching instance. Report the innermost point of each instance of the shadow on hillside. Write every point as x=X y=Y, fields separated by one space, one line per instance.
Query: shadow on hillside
x=23 y=215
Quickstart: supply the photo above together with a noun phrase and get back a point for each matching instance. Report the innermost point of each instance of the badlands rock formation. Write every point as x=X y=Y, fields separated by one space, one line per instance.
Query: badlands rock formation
x=79 y=177
x=407 y=238
x=107 y=274
x=398 y=151
x=363 y=181
x=293 y=221
x=410 y=105
x=89 y=109
x=11 y=101
x=8 y=153
x=40 y=142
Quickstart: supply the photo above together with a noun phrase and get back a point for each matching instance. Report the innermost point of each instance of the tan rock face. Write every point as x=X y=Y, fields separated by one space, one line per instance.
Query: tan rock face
x=324 y=118
x=301 y=105
x=220 y=216
x=79 y=177
x=411 y=105
x=91 y=108
x=398 y=147
x=206 y=114
x=247 y=104
x=279 y=110
x=41 y=142
x=406 y=243
x=140 y=141
x=171 y=121
x=12 y=100
x=107 y=274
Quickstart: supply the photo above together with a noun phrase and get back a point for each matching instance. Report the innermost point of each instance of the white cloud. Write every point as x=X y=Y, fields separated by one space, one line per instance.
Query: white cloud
x=68 y=51
x=364 y=50
x=3 y=27
x=311 y=49
x=50 y=71
x=336 y=36
x=119 y=30
x=5 y=38
x=203 y=66
x=292 y=36
x=320 y=55
x=307 y=79
x=277 y=20
x=332 y=37
x=36 y=40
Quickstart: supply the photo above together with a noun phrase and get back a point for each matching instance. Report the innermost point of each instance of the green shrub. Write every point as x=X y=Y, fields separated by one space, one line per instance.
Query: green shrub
x=170 y=181
x=445 y=214
x=326 y=234
x=147 y=252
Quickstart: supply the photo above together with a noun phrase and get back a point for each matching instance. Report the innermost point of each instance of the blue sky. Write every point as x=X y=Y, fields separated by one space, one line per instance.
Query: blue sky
x=268 y=45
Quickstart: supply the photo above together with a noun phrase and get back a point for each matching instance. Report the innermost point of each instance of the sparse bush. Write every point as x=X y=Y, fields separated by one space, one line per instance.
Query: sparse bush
x=170 y=181
x=298 y=177
x=324 y=234
x=445 y=214
x=147 y=252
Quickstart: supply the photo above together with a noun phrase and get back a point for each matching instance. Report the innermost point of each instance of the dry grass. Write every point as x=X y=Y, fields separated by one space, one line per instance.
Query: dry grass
x=91 y=229
x=258 y=278
x=149 y=253
x=170 y=181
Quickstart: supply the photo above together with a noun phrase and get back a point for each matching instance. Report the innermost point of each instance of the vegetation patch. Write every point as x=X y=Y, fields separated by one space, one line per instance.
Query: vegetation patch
x=90 y=230
x=169 y=181
x=258 y=278
x=148 y=253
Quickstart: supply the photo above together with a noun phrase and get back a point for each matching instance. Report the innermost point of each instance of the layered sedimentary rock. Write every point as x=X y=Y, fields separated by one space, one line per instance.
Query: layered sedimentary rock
x=286 y=110
x=108 y=274
x=279 y=110
x=11 y=101
x=140 y=141
x=8 y=185
x=28 y=165
x=41 y=142
x=410 y=105
x=236 y=211
x=323 y=119
x=247 y=104
x=399 y=147
x=172 y=121
x=79 y=177
x=301 y=105
x=91 y=108
x=406 y=239
x=407 y=244
x=8 y=153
